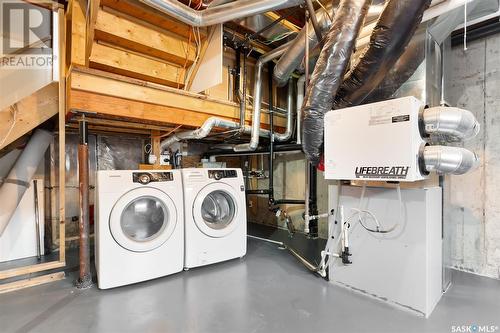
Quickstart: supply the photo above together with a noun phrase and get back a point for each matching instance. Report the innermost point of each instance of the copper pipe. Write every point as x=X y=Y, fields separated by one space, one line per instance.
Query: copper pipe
x=85 y=277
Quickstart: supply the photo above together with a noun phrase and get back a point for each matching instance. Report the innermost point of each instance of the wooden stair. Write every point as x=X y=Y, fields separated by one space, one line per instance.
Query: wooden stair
x=25 y=115
x=132 y=40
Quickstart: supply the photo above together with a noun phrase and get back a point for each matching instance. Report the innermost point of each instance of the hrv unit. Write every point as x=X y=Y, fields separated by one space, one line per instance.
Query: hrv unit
x=389 y=141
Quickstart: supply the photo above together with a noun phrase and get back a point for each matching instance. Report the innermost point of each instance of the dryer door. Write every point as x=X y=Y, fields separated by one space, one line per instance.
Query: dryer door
x=143 y=219
x=216 y=211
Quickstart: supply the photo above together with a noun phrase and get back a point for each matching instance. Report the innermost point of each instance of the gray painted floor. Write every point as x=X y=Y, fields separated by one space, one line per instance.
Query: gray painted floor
x=267 y=291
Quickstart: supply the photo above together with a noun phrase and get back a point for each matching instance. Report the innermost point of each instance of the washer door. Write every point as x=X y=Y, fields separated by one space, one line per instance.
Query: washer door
x=215 y=210
x=143 y=219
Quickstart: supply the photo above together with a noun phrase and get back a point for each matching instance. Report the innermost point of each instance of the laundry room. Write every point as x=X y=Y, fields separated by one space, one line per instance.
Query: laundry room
x=250 y=166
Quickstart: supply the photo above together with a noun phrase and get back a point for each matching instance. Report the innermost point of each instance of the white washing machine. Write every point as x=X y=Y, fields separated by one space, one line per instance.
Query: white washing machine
x=215 y=216
x=139 y=226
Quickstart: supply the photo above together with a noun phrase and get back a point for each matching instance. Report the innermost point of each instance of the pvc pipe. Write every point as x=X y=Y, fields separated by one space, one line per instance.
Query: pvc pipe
x=19 y=178
x=300 y=99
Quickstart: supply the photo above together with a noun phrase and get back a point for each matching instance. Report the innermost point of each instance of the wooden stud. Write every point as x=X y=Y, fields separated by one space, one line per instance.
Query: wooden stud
x=9 y=273
x=62 y=139
x=78 y=33
x=31 y=282
x=130 y=64
x=118 y=30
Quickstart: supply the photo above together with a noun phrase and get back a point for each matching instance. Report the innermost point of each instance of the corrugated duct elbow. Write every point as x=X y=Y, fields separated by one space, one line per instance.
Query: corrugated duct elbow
x=328 y=73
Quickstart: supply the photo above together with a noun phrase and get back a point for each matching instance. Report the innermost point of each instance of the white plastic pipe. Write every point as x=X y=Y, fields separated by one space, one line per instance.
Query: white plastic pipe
x=19 y=178
x=300 y=99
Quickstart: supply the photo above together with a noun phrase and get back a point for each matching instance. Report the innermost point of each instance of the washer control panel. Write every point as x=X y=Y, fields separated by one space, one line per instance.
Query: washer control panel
x=219 y=174
x=148 y=177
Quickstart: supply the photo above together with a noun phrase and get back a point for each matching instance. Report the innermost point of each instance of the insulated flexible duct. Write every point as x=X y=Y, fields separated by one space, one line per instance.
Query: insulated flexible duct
x=328 y=73
x=219 y=14
x=391 y=34
x=19 y=178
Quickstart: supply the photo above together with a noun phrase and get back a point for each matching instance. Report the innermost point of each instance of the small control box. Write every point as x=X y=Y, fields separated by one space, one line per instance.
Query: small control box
x=148 y=177
x=219 y=174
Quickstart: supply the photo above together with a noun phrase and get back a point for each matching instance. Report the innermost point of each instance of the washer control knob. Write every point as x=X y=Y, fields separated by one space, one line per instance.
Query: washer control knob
x=218 y=175
x=144 y=178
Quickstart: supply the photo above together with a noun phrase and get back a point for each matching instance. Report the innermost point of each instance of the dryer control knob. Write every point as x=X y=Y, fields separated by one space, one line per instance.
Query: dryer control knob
x=144 y=178
x=218 y=175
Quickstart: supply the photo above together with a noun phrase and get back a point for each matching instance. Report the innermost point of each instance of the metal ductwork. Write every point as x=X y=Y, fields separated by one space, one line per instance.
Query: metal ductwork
x=328 y=73
x=448 y=160
x=203 y=131
x=218 y=14
x=19 y=178
x=449 y=122
x=257 y=97
x=287 y=135
x=292 y=58
x=254 y=129
x=391 y=34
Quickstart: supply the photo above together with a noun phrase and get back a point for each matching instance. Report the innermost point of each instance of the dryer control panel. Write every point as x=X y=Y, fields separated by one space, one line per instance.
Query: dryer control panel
x=219 y=174
x=148 y=177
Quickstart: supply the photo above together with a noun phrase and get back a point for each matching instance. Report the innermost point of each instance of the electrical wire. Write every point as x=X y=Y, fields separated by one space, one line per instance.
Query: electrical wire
x=14 y=120
x=362 y=212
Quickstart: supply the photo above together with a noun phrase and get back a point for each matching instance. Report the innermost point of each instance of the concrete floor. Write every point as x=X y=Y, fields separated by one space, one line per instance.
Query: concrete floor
x=267 y=291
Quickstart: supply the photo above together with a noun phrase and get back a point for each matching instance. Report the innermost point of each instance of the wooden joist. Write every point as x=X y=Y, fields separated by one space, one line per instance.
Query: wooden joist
x=115 y=95
x=118 y=30
x=131 y=64
x=25 y=115
x=147 y=14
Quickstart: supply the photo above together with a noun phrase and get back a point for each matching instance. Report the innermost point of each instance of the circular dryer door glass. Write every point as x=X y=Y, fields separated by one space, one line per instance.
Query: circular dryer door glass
x=144 y=218
x=218 y=209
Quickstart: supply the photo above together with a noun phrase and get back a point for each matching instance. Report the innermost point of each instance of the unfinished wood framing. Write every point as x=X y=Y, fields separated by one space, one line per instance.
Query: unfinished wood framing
x=27 y=114
x=78 y=33
x=61 y=108
x=31 y=282
x=130 y=64
x=118 y=30
x=114 y=95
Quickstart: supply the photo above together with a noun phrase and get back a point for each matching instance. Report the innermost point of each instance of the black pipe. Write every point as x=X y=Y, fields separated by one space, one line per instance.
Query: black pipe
x=289 y=202
x=270 y=67
x=237 y=74
x=257 y=191
x=313 y=200
x=292 y=147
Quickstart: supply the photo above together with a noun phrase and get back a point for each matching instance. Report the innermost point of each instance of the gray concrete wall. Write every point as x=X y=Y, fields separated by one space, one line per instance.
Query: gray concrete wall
x=472 y=201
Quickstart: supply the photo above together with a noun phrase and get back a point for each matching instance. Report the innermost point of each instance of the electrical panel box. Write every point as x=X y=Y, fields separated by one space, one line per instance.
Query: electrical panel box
x=379 y=141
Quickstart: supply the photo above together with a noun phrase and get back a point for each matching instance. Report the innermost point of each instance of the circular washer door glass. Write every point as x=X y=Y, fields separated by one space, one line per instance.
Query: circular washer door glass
x=144 y=219
x=218 y=209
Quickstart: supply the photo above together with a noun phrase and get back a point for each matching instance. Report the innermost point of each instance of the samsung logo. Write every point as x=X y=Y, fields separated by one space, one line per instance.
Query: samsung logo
x=382 y=172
